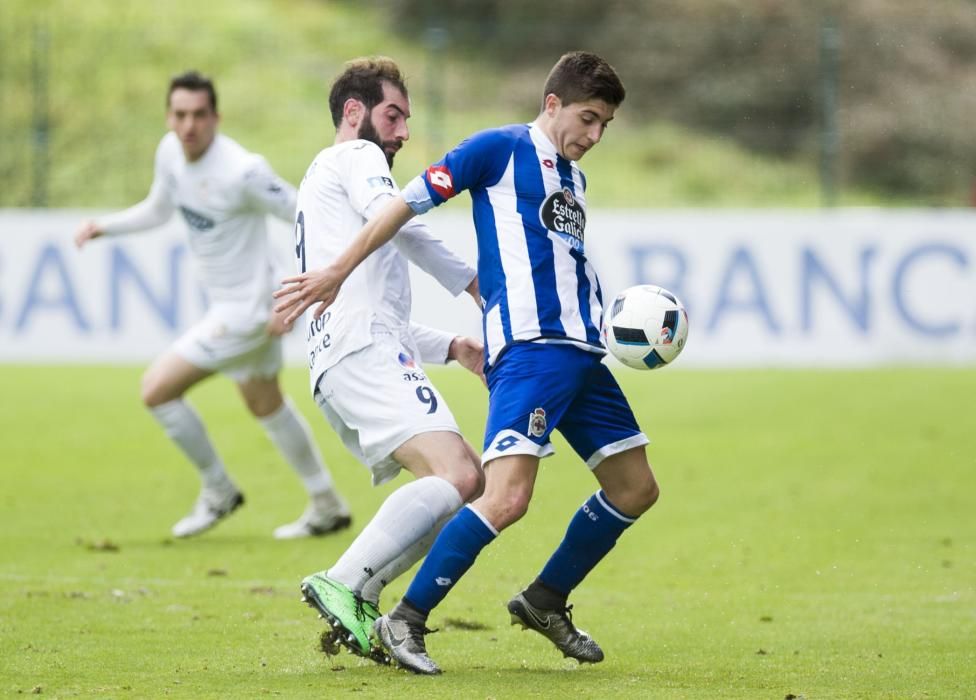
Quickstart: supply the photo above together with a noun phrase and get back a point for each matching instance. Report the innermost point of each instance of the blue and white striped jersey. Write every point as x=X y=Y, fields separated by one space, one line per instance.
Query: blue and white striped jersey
x=529 y=210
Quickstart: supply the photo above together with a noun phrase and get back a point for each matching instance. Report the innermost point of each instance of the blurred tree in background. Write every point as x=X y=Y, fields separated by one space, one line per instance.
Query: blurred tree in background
x=754 y=70
x=730 y=102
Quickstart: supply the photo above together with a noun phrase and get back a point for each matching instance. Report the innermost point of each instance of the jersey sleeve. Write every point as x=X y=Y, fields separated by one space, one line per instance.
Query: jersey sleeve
x=476 y=162
x=267 y=192
x=153 y=211
x=432 y=344
x=366 y=176
x=423 y=249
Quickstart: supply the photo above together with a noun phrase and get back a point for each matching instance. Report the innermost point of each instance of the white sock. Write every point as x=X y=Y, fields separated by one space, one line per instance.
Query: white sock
x=410 y=556
x=409 y=513
x=292 y=436
x=184 y=427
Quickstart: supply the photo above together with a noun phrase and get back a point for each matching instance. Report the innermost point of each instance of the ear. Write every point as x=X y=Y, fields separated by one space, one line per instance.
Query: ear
x=551 y=104
x=353 y=111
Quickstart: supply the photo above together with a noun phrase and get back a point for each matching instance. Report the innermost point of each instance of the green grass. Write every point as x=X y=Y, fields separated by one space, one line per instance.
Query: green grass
x=109 y=63
x=815 y=537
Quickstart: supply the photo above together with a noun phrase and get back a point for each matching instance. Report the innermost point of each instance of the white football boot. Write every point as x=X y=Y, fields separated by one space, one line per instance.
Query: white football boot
x=211 y=507
x=326 y=513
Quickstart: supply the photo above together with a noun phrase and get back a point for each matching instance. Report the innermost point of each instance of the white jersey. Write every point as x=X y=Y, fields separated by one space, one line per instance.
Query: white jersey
x=224 y=197
x=345 y=185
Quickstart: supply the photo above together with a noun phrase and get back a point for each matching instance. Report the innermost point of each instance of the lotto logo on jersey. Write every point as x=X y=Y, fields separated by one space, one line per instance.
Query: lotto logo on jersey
x=440 y=179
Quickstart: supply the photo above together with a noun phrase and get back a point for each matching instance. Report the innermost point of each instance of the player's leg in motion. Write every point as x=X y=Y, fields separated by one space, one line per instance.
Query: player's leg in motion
x=398 y=535
x=327 y=511
x=628 y=490
x=509 y=482
x=163 y=386
x=602 y=429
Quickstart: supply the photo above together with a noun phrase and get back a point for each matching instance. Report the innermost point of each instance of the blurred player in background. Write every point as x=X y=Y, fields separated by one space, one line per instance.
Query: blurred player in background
x=543 y=310
x=224 y=194
x=363 y=352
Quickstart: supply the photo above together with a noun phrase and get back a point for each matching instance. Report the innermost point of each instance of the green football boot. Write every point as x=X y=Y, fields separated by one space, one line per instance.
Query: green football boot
x=342 y=609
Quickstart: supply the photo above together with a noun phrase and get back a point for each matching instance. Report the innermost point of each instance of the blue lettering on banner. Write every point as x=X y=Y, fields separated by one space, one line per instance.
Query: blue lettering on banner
x=898 y=288
x=64 y=300
x=858 y=309
x=646 y=269
x=122 y=268
x=743 y=262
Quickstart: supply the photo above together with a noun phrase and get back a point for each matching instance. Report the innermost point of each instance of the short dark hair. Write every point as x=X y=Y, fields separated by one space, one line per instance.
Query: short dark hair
x=193 y=80
x=363 y=80
x=579 y=76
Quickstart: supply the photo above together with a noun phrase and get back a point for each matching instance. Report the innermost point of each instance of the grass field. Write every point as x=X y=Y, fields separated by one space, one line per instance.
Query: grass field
x=815 y=538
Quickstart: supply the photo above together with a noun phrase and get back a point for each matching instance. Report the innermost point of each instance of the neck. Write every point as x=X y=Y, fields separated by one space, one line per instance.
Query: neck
x=345 y=133
x=545 y=126
x=192 y=158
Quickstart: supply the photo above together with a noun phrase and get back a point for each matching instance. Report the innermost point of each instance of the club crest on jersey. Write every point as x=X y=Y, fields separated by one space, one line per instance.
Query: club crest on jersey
x=563 y=214
x=440 y=179
x=406 y=361
x=537 y=422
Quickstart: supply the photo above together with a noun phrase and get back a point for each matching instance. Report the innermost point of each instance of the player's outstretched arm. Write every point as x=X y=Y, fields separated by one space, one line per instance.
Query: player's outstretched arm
x=87 y=231
x=322 y=286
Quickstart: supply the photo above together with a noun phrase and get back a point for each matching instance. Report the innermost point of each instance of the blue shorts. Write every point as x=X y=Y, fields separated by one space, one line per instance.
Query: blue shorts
x=535 y=388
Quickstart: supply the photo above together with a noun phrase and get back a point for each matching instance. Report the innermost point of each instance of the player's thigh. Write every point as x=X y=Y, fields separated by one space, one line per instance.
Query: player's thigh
x=600 y=422
x=529 y=391
x=446 y=455
x=383 y=401
x=169 y=377
x=628 y=481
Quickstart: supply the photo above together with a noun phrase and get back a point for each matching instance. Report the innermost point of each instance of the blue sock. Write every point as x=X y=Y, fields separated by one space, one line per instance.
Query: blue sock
x=592 y=533
x=452 y=554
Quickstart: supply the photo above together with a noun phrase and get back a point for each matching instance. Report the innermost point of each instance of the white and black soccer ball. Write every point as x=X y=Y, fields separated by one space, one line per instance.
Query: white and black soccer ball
x=647 y=327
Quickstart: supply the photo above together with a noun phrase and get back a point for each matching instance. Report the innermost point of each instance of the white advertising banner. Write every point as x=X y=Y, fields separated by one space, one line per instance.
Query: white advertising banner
x=763 y=288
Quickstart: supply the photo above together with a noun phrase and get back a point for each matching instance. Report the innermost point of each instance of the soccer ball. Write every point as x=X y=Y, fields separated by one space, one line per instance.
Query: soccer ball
x=647 y=327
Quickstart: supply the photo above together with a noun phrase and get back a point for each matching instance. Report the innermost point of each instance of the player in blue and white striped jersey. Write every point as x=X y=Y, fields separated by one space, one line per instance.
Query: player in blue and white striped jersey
x=543 y=310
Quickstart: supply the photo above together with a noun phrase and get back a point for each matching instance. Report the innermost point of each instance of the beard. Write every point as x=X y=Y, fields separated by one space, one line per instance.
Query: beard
x=368 y=133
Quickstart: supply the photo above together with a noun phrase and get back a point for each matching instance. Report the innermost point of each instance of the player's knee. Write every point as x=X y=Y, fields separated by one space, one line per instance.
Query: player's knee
x=470 y=483
x=152 y=391
x=462 y=469
x=644 y=496
x=635 y=497
x=508 y=508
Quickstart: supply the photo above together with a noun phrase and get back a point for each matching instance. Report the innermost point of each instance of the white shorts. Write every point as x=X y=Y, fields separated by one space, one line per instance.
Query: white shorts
x=376 y=399
x=238 y=348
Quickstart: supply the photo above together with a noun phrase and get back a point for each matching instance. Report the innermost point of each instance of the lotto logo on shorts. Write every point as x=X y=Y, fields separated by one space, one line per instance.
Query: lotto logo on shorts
x=537 y=422
x=406 y=361
x=440 y=179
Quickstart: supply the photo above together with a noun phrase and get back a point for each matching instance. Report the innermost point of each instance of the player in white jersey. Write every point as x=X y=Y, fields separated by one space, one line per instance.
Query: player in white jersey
x=362 y=351
x=542 y=314
x=224 y=193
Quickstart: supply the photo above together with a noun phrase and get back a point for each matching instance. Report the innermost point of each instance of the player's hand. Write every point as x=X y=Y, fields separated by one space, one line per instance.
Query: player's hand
x=277 y=325
x=470 y=354
x=86 y=232
x=300 y=292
